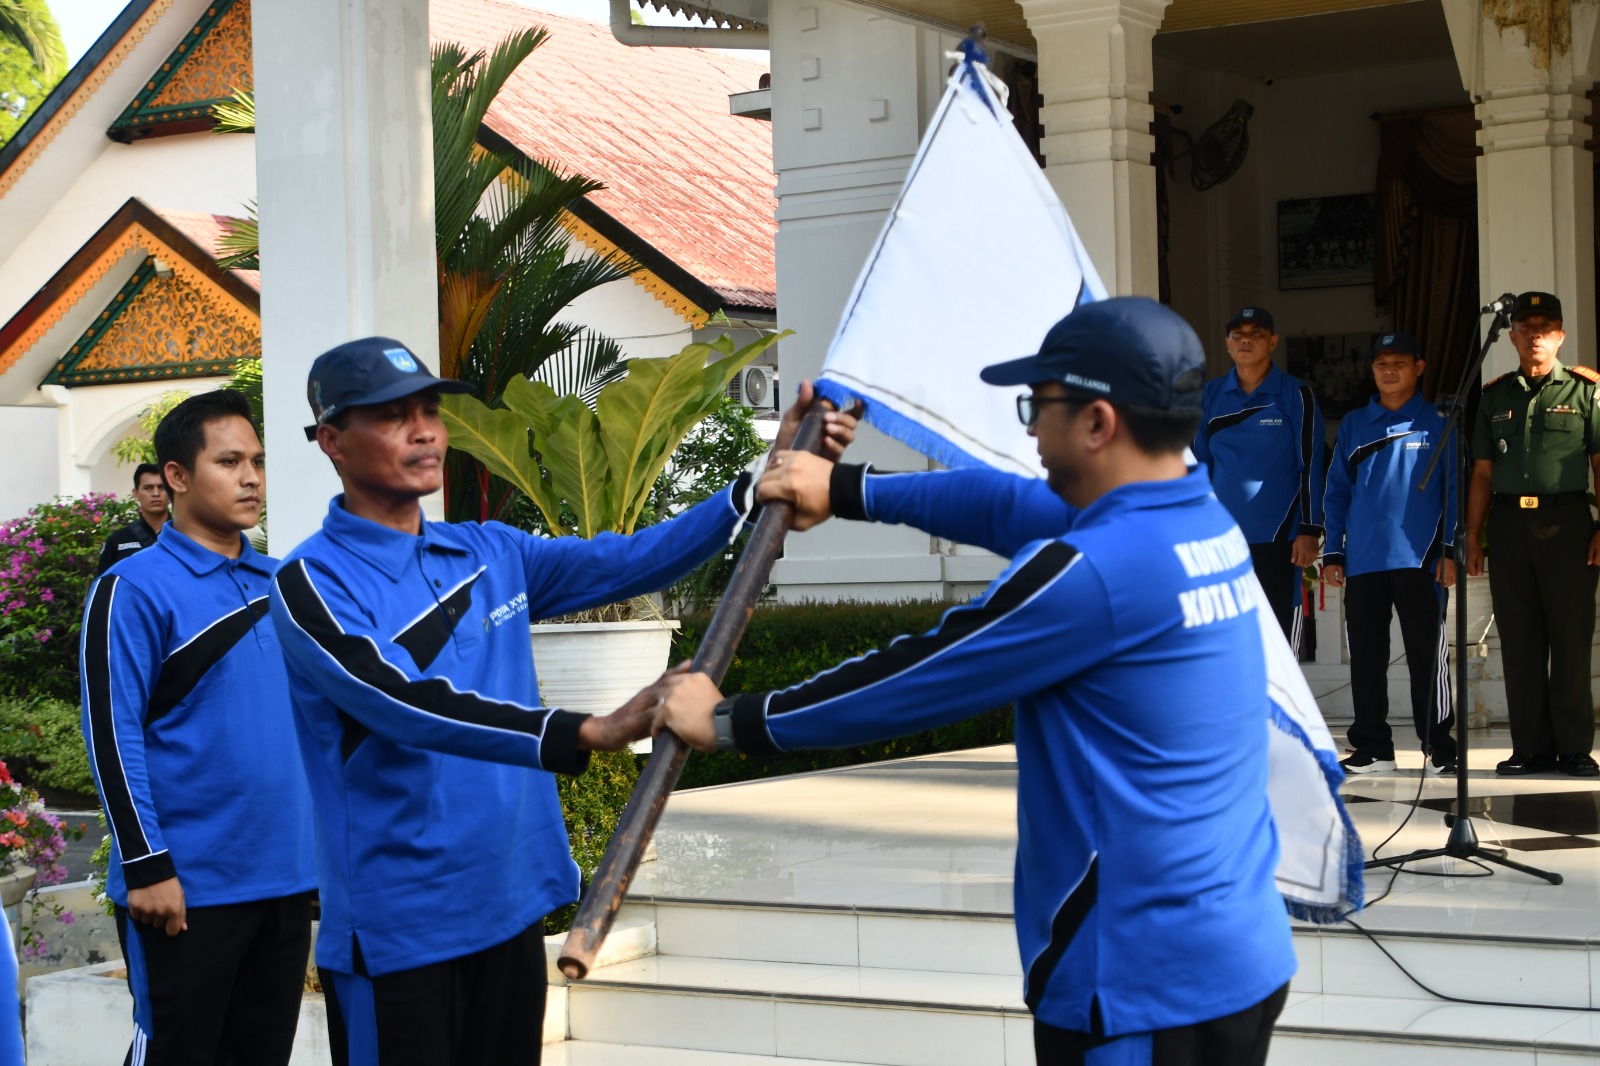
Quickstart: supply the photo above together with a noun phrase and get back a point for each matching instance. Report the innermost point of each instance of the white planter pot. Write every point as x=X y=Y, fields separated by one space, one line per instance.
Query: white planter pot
x=594 y=667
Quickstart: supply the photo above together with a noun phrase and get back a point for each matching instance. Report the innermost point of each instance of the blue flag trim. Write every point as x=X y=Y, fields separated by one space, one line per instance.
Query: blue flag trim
x=1352 y=883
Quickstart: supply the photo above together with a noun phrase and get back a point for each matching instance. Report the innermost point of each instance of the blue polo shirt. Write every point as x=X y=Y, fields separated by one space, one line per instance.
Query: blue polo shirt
x=1129 y=639
x=439 y=832
x=1376 y=518
x=1264 y=451
x=190 y=732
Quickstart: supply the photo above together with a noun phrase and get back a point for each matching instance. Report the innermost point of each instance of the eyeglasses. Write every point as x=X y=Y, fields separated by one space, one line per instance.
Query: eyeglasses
x=1028 y=406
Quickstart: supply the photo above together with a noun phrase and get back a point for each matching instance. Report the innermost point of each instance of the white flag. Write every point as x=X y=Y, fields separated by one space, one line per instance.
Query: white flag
x=976 y=262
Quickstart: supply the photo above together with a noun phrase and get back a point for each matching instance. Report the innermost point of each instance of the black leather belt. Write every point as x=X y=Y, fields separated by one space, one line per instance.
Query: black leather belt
x=1528 y=503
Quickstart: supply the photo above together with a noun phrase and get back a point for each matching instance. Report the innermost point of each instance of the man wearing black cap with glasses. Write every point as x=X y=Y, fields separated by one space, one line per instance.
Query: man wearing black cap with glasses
x=440 y=839
x=1127 y=631
x=1261 y=437
x=1535 y=444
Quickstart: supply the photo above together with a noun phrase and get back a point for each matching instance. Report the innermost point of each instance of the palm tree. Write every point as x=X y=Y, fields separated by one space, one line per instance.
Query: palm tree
x=30 y=25
x=504 y=259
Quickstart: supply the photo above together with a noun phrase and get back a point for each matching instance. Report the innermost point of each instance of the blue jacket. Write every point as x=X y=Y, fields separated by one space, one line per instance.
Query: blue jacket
x=1129 y=639
x=190 y=734
x=1377 y=520
x=1264 y=450
x=438 y=828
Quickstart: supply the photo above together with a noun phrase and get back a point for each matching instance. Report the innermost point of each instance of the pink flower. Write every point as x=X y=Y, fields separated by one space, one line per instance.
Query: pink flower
x=48 y=596
x=67 y=918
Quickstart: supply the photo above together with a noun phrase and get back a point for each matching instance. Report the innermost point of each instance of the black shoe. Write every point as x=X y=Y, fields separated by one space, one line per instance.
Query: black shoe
x=1363 y=763
x=1518 y=765
x=1577 y=765
x=1439 y=766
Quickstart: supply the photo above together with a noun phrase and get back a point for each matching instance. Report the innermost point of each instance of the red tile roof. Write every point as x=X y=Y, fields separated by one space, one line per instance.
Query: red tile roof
x=206 y=230
x=691 y=180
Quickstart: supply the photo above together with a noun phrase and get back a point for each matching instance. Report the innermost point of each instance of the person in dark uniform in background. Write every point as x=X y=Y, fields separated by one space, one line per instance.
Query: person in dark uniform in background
x=1535 y=444
x=154 y=500
x=1389 y=546
x=1261 y=436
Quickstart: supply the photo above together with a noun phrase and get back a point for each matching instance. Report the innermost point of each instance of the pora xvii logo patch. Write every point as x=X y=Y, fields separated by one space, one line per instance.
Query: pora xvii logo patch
x=401 y=359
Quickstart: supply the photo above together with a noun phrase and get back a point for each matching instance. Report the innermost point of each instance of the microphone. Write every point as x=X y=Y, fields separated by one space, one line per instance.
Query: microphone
x=1501 y=306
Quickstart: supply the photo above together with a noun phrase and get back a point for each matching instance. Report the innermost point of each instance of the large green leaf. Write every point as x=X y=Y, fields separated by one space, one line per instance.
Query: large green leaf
x=635 y=413
x=499 y=440
x=579 y=473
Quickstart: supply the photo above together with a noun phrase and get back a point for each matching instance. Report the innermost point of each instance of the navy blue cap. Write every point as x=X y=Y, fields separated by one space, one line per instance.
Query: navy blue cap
x=1536 y=303
x=367 y=371
x=1259 y=316
x=1398 y=341
x=1129 y=349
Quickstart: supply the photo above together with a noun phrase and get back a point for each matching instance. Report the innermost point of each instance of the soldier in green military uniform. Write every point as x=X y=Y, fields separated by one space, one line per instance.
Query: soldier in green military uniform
x=1536 y=440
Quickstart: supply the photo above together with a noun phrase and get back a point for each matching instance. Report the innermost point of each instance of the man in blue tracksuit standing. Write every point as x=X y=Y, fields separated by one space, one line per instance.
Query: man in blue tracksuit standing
x=440 y=841
x=1261 y=437
x=1390 y=546
x=1126 y=630
x=190 y=734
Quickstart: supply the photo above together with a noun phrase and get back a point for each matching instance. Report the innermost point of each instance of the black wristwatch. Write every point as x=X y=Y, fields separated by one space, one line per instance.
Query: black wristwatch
x=722 y=724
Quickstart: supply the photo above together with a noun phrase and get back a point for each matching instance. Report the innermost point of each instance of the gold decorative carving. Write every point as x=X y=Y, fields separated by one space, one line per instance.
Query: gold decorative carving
x=218 y=65
x=74 y=103
x=177 y=324
x=671 y=298
x=137 y=238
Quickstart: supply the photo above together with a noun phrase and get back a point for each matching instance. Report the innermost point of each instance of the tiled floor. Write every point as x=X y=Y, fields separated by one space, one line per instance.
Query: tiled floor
x=937 y=835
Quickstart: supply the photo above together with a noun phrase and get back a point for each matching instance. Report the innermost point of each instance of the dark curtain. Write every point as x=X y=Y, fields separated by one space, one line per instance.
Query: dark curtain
x=1426 y=272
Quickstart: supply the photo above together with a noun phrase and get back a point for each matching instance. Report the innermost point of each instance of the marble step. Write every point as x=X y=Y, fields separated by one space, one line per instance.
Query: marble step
x=1338 y=960
x=824 y=1013
x=593 y=1053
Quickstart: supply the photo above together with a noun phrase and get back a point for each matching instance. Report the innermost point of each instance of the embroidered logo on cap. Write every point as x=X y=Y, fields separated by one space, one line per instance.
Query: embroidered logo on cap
x=401 y=359
x=1388 y=338
x=1248 y=312
x=1534 y=300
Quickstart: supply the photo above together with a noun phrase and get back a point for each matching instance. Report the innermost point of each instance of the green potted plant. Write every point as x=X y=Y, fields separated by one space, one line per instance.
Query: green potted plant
x=591 y=471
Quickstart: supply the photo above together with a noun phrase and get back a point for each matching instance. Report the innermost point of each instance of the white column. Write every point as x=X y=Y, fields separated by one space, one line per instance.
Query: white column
x=1527 y=71
x=344 y=171
x=1095 y=73
x=851 y=92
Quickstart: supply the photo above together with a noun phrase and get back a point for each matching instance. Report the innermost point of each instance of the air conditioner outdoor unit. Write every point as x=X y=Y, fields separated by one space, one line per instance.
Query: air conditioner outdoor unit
x=754 y=386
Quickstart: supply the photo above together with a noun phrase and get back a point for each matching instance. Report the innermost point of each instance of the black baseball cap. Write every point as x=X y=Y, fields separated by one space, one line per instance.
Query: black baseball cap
x=1130 y=349
x=1398 y=341
x=1260 y=316
x=1536 y=303
x=367 y=371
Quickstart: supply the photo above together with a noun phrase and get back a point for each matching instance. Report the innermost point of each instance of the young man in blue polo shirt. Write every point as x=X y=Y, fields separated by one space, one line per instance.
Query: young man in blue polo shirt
x=1390 y=546
x=1261 y=437
x=1149 y=922
x=190 y=734
x=440 y=839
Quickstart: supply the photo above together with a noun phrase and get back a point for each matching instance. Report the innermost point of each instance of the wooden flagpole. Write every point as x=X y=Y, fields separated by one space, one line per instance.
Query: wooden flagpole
x=598 y=910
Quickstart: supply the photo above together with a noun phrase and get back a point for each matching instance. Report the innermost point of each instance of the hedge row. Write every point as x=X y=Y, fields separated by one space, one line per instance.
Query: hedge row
x=787 y=643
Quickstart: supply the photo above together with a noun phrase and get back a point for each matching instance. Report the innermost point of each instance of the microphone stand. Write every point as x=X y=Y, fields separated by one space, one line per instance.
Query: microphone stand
x=1463 y=840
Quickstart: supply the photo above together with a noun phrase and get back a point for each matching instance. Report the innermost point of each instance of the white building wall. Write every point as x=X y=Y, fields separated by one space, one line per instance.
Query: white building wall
x=851 y=93
x=1310 y=136
x=31 y=473
x=194 y=172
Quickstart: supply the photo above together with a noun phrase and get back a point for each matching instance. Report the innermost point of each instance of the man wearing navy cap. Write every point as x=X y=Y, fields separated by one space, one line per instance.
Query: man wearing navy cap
x=1261 y=437
x=440 y=841
x=1126 y=631
x=1389 y=545
x=1534 y=448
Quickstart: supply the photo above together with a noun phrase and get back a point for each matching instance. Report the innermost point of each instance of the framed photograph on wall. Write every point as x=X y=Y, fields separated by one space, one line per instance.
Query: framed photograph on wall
x=1325 y=241
x=1336 y=367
